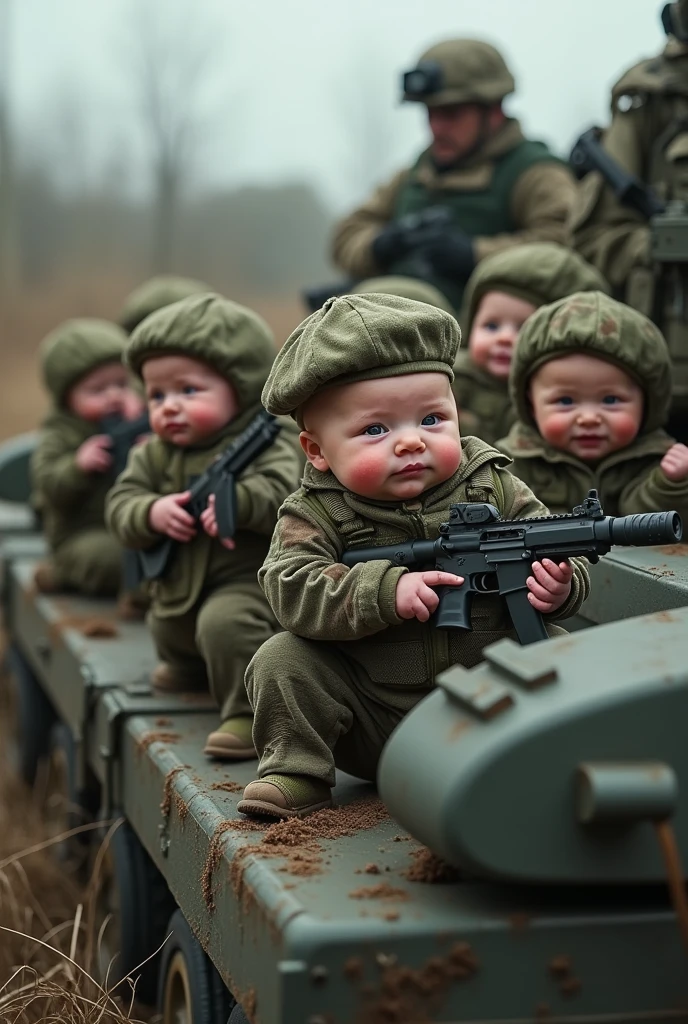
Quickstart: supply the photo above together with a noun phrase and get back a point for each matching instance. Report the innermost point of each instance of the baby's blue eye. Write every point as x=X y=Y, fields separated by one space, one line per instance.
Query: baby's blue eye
x=155 y=396
x=375 y=430
x=491 y=325
x=430 y=421
x=610 y=400
x=565 y=400
x=189 y=389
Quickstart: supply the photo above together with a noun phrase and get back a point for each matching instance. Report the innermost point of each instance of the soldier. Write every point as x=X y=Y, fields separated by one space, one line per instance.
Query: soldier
x=501 y=294
x=204 y=361
x=368 y=380
x=647 y=139
x=478 y=188
x=72 y=467
x=591 y=382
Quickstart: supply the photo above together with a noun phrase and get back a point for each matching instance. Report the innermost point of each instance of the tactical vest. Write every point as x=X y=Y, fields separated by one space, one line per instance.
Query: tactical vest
x=478 y=212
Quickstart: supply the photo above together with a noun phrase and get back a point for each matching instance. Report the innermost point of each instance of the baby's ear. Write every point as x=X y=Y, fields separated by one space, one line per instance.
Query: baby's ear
x=313 y=451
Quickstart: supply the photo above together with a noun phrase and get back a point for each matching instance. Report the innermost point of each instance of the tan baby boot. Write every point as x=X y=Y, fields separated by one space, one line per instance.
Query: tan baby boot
x=285 y=796
x=233 y=741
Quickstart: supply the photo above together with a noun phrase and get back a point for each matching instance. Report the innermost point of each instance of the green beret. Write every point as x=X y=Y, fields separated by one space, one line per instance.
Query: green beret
x=230 y=338
x=359 y=337
x=154 y=294
x=74 y=349
x=539 y=273
x=593 y=324
x=405 y=288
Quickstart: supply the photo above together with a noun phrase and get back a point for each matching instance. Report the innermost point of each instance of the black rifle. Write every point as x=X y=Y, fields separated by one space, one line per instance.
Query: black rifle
x=495 y=555
x=123 y=434
x=588 y=154
x=219 y=479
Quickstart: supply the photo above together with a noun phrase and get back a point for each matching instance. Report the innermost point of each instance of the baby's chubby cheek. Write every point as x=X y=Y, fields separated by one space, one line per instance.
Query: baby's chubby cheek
x=445 y=453
x=366 y=473
x=623 y=431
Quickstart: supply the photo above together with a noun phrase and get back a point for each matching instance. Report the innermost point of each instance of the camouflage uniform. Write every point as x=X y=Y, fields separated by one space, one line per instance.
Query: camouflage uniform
x=538 y=273
x=330 y=690
x=155 y=294
x=70 y=501
x=208 y=613
x=508 y=191
x=629 y=480
x=647 y=137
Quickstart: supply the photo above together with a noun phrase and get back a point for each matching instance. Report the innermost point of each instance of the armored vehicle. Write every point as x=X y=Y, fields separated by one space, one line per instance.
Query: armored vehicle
x=522 y=860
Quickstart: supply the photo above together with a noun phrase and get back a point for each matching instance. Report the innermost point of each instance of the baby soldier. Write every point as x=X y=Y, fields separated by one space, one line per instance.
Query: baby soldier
x=72 y=467
x=501 y=294
x=203 y=362
x=591 y=382
x=368 y=378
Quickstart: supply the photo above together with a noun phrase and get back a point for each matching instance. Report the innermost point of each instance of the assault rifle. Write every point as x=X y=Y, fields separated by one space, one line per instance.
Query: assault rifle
x=495 y=555
x=219 y=479
x=588 y=154
x=123 y=433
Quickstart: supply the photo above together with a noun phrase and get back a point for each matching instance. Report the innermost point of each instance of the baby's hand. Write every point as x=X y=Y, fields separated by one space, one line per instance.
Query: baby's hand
x=550 y=585
x=675 y=462
x=167 y=516
x=93 y=456
x=209 y=524
x=415 y=599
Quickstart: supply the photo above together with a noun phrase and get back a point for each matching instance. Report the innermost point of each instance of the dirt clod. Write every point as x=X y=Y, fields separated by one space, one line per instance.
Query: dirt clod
x=166 y=801
x=228 y=787
x=157 y=737
x=381 y=891
x=429 y=868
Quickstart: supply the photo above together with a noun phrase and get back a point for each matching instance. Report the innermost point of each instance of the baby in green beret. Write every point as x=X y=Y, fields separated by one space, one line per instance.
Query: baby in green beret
x=368 y=379
x=204 y=361
x=72 y=467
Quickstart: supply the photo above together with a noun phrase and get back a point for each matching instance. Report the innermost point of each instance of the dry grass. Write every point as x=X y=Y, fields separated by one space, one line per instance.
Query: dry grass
x=48 y=935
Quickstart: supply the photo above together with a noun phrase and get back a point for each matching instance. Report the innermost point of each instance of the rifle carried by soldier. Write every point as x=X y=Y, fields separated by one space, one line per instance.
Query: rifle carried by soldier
x=495 y=555
x=219 y=480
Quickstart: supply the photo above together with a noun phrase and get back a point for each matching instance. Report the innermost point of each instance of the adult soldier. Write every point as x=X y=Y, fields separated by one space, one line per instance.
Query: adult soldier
x=617 y=221
x=479 y=187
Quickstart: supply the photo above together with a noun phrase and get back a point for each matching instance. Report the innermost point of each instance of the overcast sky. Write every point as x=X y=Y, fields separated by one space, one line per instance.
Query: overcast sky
x=305 y=89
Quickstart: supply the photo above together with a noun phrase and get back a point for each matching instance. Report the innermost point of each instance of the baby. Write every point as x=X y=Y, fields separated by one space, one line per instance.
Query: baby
x=591 y=382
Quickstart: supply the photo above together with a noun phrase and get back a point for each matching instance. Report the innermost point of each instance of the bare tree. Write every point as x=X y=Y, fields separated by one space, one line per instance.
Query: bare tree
x=172 y=59
x=9 y=255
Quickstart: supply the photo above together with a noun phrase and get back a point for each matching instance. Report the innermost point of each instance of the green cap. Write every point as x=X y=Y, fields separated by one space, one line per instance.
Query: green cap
x=360 y=337
x=459 y=71
x=539 y=273
x=75 y=348
x=230 y=338
x=593 y=324
x=405 y=288
x=154 y=294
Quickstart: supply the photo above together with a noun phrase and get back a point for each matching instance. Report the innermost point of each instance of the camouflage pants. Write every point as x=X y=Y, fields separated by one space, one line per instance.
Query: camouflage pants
x=314 y=710
x=215 y=640
x=90 y=562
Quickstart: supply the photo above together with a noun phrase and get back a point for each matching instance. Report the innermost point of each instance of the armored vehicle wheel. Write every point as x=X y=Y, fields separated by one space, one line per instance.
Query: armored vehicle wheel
x=133 y=906
x=190 y=991
x=34 y=718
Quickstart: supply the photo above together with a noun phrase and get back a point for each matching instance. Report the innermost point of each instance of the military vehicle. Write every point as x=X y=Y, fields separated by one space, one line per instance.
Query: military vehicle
x=517 y=865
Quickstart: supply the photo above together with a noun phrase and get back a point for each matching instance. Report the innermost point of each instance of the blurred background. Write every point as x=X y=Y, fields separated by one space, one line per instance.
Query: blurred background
x=221 y=140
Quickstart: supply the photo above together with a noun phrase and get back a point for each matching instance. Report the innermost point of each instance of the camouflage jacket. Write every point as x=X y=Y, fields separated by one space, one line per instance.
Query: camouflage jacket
x=315 y=596
x=157 y=468
x=68 y=499
x=628 y=481
x=483 y=401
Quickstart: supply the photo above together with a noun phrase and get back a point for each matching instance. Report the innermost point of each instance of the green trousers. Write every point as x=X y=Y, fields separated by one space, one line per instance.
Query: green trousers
x=215 y=640
x=90 y=562
x=314 y=710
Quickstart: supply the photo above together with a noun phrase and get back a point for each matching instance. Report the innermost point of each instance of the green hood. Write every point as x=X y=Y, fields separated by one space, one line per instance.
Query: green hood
x=594 y=324
x=360 y=337
x=155 y=294
x=539 y=273
x=74 y=349
x=230 y=338
x=405 y=288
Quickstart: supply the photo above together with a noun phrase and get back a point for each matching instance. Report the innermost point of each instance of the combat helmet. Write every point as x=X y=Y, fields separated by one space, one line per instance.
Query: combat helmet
x=459 y=71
